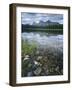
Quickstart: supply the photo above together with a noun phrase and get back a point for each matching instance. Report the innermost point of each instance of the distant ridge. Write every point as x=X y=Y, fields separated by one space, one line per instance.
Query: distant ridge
x=42 y=23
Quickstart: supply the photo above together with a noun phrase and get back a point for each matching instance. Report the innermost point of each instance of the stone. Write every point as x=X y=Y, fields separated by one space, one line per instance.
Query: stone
x=51 y=70
x=38 y=71
x=37 y=52
x=35 y=62
x=61 y=71
x=42 y=74
x=29 y=74
x=45 y=59
x=47 y=72
x=57 y=68
x=26 y=58
x=39 y=58
x=29 y=65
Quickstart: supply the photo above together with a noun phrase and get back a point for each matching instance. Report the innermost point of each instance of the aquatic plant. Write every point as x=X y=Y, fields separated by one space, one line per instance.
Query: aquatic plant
x=27 y=48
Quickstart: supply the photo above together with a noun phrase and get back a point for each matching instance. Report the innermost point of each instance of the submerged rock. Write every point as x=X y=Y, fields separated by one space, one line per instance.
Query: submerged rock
x=38 y=71
x=47 y=72
x=37 y=52
x=35 y=62
x=57 y=68
x=39 y=58
x=26 y=57
x=29 y=65
x=30 y=74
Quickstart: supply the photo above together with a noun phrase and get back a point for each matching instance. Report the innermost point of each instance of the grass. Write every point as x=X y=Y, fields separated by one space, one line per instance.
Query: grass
x=27 y=48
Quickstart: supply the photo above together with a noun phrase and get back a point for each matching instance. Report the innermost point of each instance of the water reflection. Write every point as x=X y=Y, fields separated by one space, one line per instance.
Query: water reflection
x=44 y=39
x=42 y=54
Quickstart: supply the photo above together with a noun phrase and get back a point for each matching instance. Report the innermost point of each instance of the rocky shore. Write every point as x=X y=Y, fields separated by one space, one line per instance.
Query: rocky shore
x=42 y=62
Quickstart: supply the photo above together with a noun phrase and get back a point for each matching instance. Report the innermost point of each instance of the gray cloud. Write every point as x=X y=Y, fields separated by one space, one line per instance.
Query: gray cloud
x=29 y=18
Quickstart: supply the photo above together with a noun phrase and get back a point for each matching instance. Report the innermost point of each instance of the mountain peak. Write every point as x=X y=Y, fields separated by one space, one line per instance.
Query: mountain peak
x=48 y=21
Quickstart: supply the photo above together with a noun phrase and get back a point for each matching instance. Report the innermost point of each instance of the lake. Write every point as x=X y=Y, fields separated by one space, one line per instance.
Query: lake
x=44 y=39
x=44 y=52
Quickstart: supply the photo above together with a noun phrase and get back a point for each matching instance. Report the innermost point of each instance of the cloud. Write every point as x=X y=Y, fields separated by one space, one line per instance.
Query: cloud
x=29 y=18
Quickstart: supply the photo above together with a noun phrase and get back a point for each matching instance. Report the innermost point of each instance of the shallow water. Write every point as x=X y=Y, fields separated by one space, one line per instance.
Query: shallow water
x=44 y=39
x=47 y=58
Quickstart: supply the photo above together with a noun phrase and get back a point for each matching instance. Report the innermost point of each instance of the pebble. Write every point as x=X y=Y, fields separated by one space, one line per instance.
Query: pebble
x=26 y=58
x=29 y=74
x=38 y=71
x=39 y=58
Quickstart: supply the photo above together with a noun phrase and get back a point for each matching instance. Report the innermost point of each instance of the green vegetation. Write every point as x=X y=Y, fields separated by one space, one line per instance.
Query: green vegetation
x=28 y=48
x=48 y=28
x=58 y=26
x=56 y=31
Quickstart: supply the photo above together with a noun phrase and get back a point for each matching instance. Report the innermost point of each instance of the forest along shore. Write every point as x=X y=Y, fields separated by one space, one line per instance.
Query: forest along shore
x=47 y=28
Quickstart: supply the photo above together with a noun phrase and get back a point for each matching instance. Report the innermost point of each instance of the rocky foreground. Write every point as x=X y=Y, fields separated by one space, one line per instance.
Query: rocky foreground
x=42 y=62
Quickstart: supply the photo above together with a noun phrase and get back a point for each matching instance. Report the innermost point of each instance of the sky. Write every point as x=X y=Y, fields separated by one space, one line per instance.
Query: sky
x=30 y=18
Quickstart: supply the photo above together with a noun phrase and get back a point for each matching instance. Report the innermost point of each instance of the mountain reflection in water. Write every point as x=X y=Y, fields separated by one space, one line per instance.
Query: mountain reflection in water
x=44 y=39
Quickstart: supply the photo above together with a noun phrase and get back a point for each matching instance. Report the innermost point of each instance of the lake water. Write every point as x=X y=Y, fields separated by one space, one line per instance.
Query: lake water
x=44 y=40
x=47 y=56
